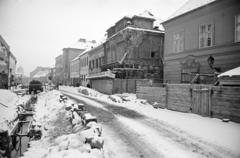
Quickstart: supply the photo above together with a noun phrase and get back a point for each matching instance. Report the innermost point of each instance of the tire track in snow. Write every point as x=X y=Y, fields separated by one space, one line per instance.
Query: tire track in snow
x=174 y=138
x=122 y=140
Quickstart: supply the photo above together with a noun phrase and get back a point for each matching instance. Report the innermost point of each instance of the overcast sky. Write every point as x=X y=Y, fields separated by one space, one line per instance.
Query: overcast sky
x=38 y=30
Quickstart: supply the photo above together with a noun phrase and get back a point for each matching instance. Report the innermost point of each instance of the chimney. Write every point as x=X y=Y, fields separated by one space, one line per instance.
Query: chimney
x=82 y=40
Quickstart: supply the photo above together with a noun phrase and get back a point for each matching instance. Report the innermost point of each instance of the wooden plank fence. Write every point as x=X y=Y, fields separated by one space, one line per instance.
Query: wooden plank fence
x=179 y=97
x=226 y=103
x=205 y=100
x=153 y=94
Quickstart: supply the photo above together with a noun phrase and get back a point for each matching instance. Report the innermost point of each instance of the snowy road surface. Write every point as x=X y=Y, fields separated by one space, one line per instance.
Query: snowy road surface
x=134 y=135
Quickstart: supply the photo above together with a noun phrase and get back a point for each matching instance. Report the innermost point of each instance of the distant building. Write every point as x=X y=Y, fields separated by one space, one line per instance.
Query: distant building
x=75 y=72
x=96 y=58
x=42 y=75
x=20 y=70
x=203 y=40
x=71 y=53
x=84 y=66
x=34 y=73
x=59 y=69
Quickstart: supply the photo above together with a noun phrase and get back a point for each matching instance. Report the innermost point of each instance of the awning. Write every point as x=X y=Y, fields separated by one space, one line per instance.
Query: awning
x=230 y=73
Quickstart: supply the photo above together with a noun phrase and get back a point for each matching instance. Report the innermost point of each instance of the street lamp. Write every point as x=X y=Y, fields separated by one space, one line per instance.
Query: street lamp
x=211 y=62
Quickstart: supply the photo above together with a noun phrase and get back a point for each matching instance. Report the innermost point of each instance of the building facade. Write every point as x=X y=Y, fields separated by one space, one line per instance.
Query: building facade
x=84 y=67
x=59 y=69
x=74 y=72
x=203 y=41
x=71 y=53
x=134 y=48
x=96 y=58
x=7 y=64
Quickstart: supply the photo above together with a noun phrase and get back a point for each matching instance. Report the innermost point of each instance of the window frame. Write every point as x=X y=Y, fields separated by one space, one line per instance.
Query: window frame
x=205 y=34
x=183 y=41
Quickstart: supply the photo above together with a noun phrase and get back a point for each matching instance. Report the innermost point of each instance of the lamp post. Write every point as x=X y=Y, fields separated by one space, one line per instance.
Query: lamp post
x=211 y=63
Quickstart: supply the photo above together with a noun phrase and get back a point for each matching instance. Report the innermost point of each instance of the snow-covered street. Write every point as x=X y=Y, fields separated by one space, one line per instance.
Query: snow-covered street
x=130 y=128
x=133 y=128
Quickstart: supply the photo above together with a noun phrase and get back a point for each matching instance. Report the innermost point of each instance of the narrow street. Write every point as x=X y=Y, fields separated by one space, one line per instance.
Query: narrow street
x=130 y=134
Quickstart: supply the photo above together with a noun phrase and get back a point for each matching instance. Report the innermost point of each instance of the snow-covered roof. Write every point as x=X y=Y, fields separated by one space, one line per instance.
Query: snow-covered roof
x=157 y=21
x=189 y=6
x=134 y=28
x=230 y=73
x=86 y=50
x=42 y=73
x=81 y=45
x=146 y=14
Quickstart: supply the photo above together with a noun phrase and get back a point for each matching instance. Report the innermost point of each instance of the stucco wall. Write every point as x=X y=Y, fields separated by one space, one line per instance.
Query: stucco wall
x=222 y=15
x=103 y=86
x=224 y=50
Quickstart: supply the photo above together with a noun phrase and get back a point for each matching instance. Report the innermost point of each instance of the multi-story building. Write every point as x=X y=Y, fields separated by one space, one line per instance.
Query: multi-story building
x=96 y=57
x=203 y=40
x=75 y=72
x=71 y=53
x=7 y=63
x=59 y=69
x=134 y=48
x=84 y=66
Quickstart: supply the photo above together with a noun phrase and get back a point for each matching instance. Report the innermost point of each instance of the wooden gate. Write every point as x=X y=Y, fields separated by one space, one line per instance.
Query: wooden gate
x=201 y=99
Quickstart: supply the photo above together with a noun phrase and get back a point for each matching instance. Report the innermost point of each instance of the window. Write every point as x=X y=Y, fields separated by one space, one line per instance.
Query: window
x=96 y=62
x=237 y=28
x=178 y=42
x=205 y=35
x=99 y=61
x=90 y=64
x=152 y=54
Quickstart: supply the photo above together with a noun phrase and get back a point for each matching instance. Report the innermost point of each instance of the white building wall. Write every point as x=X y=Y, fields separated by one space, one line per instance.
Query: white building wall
x=84 y=67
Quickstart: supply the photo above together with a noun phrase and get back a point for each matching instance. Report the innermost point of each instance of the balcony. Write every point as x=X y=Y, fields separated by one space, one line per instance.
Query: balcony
x=106 y=74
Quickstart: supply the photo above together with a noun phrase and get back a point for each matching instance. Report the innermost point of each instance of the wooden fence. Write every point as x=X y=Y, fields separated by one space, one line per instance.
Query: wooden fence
x=204 y=100
x=226 y=103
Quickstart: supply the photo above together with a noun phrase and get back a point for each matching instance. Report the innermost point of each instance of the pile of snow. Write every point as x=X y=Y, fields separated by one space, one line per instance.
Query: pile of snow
x=8 y=104
x=63 y=137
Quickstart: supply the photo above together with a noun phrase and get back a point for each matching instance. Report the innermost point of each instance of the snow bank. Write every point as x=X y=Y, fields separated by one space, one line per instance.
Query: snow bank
x=8 y=103
x=58 y=139
x=208 y=129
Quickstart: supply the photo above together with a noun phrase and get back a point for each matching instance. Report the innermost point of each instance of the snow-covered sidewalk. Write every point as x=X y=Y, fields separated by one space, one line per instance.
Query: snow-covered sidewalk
x=211 y=130
x=59 y=138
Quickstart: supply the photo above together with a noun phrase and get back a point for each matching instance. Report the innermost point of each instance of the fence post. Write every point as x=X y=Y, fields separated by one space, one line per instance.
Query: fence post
x=166 y=96
x=210 y=101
